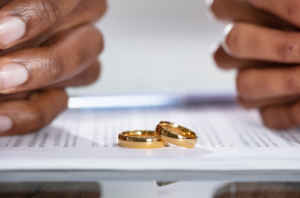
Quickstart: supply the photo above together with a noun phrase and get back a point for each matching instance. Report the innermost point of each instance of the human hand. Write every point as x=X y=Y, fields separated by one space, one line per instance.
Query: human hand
x=45 y=46
x=262 y=41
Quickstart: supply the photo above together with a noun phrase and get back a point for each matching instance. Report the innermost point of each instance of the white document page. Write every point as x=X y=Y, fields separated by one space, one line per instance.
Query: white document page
x=230 y=138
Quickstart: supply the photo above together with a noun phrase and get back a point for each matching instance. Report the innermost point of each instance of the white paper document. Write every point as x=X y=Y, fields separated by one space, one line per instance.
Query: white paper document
x=230 y=138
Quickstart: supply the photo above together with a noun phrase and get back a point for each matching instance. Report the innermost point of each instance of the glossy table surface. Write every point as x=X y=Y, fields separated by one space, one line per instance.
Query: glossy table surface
x=204 y=184
x=187 y=189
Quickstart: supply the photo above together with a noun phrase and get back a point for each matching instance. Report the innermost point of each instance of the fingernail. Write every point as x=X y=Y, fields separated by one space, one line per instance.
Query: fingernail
x=5 y=123
x=12 y=75
x=11 y=29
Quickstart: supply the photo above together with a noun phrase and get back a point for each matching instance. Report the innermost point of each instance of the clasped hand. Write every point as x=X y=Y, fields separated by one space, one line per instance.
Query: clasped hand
x=262 y=41
x=45 y=45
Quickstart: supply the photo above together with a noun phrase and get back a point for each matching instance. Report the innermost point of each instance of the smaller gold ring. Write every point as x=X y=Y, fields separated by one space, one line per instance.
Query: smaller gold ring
x=176 y=134
x=140 y=139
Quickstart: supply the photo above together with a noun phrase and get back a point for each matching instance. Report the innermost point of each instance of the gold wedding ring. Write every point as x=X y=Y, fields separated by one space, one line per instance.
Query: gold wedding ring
x=176 y=134
x=143 y=139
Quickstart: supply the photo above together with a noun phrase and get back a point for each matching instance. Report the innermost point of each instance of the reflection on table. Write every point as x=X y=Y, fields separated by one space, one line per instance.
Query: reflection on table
x=259 y=190
x=50 y=189
x=162 y=188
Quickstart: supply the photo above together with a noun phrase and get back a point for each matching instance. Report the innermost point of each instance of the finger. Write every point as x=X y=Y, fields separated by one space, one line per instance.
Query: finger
x=289 y=10
x=225 y=61
x=62 y=58
x=240 y=10
x=85 y=12
x=87 y=77
x=267 y=102
x=21 y=20
x=259 y=84
x=243 y=41
x=281 y=116
x=25 y=116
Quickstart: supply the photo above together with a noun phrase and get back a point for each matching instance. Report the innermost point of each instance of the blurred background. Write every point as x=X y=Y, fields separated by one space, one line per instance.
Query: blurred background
x=157 y=45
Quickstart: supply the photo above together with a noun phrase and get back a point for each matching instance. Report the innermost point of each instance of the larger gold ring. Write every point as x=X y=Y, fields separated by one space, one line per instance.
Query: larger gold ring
x=176 y=134
x=140 y=140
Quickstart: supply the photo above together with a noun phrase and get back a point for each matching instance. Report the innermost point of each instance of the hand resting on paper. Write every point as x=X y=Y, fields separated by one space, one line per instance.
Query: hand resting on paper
x=262 y=42
x=45 y=45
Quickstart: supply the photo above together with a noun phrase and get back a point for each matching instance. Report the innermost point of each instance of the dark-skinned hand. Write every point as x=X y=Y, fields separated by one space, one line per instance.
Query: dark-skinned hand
x=262 y=41
x=45 y=45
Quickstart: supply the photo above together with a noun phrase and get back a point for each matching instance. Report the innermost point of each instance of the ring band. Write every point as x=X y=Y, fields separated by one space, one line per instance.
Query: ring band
x=140 y=139
x=176 y=134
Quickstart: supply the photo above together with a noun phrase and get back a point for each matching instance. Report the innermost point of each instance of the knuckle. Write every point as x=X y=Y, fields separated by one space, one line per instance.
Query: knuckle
x=286 y=49
x=54 y=66
x=233 y=40
x=49 y=11
x=291 y=82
